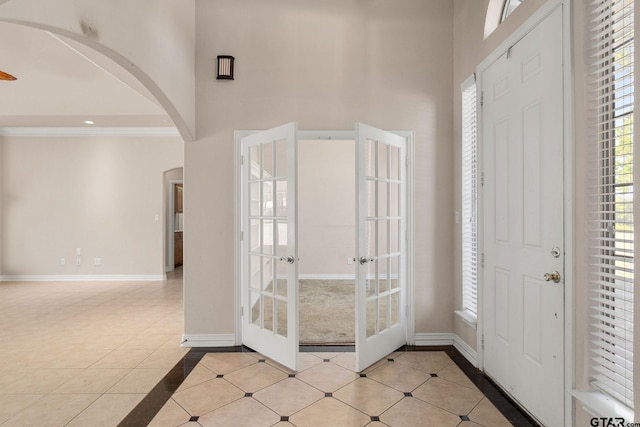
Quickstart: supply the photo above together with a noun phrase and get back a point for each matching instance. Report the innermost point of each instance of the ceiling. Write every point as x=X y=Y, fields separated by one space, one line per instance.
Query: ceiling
x=63 y=83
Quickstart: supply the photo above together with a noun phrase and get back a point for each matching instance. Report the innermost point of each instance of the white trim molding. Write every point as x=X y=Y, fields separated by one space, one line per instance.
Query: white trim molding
x=465 y=349
x=600 y=405
x=85 y=278
x=437 y=339
x=89 y=131
x=431 y=339
x=327 y=276
x=208 y=340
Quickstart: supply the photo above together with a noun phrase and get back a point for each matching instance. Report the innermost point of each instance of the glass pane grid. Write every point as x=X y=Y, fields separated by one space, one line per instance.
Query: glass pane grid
x=267 y=235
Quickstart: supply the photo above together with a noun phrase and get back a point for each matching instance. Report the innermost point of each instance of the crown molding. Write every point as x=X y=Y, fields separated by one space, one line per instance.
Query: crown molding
x=89 y=131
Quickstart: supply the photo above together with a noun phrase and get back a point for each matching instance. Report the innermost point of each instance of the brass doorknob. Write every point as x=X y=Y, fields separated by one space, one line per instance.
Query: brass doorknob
x=553 y=276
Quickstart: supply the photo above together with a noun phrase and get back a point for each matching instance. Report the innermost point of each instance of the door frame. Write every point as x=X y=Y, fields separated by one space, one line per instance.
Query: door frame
x=308 y=135
x=172 y=223
x=533 y=21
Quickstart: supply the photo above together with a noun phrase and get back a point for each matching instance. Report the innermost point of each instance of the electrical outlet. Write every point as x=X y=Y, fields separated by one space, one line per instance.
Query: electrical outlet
x=78 y=251
x=63 y=261
x=350 y=261
x=97 y=261
x=78 y=261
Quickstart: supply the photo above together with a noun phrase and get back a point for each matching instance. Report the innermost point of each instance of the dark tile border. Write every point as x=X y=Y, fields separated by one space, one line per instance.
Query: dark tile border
x=510 y=409
x=148 y=408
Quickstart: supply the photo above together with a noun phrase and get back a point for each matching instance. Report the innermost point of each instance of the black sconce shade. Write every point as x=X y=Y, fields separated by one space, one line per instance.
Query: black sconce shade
x=225 y=67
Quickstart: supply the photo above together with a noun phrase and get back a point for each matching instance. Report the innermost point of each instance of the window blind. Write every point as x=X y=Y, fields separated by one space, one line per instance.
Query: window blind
x=469 y=197
x=612 y=229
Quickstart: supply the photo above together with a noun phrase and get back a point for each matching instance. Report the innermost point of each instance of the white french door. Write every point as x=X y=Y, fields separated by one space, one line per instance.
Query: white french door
x=523 y=221
x=269 y=283
x=381 y=325
x=269 y=250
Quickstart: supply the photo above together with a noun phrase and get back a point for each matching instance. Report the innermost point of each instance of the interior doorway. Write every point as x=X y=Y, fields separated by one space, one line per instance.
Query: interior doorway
x=174 y=219
x=326 y=241
x=268 y=253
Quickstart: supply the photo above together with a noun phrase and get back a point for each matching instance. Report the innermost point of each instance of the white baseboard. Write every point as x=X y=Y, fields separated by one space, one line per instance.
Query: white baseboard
x=326 y=276
x=209 y=340
x=465 y=349
x=448 y=339
x=433 y=339
x=84 y=278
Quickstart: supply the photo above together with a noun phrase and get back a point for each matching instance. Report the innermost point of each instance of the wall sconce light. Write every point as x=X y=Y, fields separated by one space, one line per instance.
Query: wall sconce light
x=225 y=67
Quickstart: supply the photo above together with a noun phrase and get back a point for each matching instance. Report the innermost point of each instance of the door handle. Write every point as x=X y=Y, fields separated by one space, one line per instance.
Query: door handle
x=365 y=260
x=288 y=259
x=553 y=276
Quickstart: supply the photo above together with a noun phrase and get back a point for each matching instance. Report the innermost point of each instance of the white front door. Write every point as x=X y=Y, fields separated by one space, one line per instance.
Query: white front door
x=522 y=136
x=269 y=267
x=381 y=324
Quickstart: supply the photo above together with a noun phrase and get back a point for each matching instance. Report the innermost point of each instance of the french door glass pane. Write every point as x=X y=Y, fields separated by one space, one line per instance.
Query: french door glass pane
x=267 y=237
x=383 y=208
x=394 y=163
x=281 y=289
x=281 y=310
x=254 y=236
x=383 y=314
x=394 y=199
x=383 y=282
x=281 y=198
x=267 y=198
x=394 y=272
x=256 y=309
x=255 y=162
x=371 y=279
x=371 y=158
x=281 y=158
x=383 y=237
x=267 y=166
x=372 y=315
x=394 y=236
x=255 y=201
x=395 y=308
x=255 y=271
x=268 y=312
x=371 y=198
x=383 y=155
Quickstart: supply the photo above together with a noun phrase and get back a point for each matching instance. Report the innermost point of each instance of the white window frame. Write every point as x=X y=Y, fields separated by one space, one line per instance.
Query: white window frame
x=469 y=202
x=612 y=259
x=508 y=7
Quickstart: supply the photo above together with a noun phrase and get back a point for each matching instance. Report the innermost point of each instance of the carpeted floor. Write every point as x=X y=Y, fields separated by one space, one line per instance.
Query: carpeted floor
x=327 y=311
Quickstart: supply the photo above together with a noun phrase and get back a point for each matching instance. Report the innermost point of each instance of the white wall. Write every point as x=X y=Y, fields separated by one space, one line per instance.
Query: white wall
x=100 y=194
x=326 y=65
x=326 y=207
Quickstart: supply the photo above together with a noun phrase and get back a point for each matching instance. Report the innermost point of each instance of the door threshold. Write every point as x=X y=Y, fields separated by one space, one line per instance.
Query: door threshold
x=326 y=348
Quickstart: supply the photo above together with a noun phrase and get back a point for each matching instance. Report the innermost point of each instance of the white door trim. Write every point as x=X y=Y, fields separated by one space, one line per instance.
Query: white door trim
x=523 y=30
x=314 y=135
x=172 y=224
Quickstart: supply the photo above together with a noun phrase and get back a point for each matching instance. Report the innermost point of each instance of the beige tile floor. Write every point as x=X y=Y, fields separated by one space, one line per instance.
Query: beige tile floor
x=405 y=389
x=85 y=353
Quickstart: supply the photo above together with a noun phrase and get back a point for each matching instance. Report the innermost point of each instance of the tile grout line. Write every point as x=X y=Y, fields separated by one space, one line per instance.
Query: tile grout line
x=153 y=402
